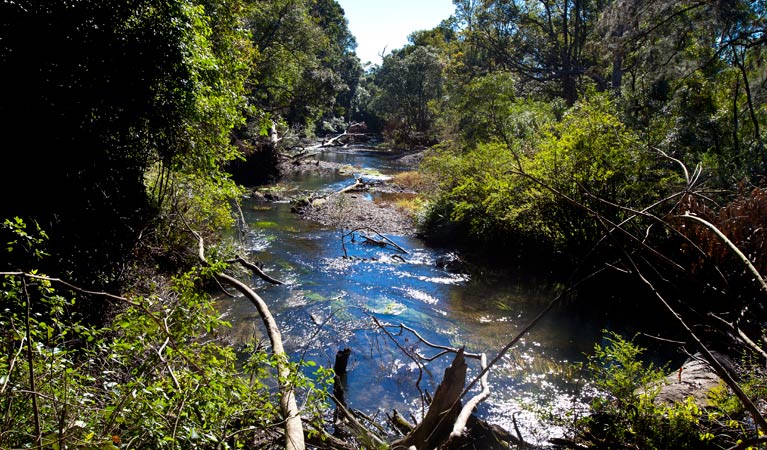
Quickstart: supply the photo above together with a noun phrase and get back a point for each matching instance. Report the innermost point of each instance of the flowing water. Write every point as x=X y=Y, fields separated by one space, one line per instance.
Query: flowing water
x=328 y=303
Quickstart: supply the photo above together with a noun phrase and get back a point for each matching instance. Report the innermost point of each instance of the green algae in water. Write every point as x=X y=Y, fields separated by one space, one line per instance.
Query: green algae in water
x=265 y=224
x=315 y=297
x=387 y=307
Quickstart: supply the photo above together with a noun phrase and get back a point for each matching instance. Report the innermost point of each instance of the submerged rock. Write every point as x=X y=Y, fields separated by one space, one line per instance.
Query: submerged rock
x=452 y=262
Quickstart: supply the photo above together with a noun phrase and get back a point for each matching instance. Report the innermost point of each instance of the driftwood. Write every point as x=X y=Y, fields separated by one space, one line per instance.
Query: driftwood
x=352 y=132
x=385 y=240
x=257 y=270
x=294 y=430
x=358 y=184
x=311 y=201
x=435 y=428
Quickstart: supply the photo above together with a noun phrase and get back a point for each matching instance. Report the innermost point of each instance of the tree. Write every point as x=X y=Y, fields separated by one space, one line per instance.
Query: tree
x=306 y=68
x=408 y=80
x=103 y=92
x=543 y=42
x=693 y=76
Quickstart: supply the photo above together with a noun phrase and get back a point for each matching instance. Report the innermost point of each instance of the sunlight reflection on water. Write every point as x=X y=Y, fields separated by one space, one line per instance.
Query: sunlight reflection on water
x=328 y=301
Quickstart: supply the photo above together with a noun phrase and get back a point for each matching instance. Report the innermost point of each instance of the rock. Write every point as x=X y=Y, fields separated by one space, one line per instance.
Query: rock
x=451 y=262
x=266 y=196
x=271 y=196
x=694 y=379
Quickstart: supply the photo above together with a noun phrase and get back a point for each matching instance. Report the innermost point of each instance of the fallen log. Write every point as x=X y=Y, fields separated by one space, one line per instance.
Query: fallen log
x=445 y=407
x=294 y=430
x=358 y=184
x=338 y=141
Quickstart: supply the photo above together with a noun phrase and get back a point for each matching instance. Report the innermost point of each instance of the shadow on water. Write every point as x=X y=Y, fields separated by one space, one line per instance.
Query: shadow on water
x=328 y=302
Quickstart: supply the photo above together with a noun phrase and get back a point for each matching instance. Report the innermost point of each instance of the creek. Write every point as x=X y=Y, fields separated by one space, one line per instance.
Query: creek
x=328 y=300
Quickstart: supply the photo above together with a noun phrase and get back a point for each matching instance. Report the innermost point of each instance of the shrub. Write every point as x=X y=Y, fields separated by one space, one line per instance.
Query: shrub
x=625 y=415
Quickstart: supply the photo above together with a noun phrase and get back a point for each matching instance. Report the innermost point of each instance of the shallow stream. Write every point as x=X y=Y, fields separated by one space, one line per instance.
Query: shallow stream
x=329 y=301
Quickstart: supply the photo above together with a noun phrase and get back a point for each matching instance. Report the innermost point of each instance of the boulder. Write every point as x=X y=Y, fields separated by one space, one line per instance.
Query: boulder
x=695 y=378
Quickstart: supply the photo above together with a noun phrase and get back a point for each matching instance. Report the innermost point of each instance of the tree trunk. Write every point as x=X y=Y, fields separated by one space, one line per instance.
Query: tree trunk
x=294 y=430
x=435 y=428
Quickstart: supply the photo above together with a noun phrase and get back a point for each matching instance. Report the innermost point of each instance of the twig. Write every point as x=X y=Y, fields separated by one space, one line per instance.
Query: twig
x=516 y=427
x=409 y=355
x=12 y=364
x=162 y=359
x=437 y=346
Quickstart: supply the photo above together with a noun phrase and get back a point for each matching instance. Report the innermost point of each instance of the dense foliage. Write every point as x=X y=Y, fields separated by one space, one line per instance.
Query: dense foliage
x=159 y=376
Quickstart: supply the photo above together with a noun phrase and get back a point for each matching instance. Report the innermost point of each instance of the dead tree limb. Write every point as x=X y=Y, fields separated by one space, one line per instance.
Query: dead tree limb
x=257 y=270
x=733 y=327
x=435 y=346
x=468 y=408
x=733 y=247
x=358 y=184
x=388 y=241
x=332 y=142
x=294 y=431
x=435 y=427
x=337 y=140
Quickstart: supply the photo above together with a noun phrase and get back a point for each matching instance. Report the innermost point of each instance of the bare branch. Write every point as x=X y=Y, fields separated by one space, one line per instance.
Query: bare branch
x=294 y=431
x=732 y=247
x=257 y=270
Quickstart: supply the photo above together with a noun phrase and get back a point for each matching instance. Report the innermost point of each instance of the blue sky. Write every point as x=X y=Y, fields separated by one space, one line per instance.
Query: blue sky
x=387 y=23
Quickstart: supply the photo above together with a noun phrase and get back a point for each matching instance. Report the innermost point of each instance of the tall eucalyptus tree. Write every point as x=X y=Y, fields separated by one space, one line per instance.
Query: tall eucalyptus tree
x=545 y=42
